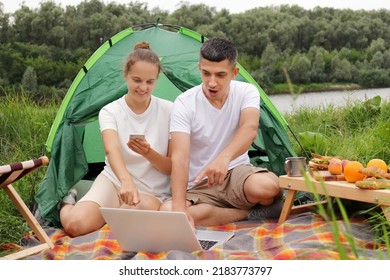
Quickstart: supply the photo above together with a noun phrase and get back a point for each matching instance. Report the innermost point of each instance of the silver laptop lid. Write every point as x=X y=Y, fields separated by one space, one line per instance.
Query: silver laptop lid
x=156 y=231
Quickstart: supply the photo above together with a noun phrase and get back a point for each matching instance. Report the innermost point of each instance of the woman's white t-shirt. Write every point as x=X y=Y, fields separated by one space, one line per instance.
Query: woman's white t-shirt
x=154 y=124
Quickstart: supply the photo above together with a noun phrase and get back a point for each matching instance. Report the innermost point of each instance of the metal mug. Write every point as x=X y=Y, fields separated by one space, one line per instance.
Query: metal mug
x=295 y=166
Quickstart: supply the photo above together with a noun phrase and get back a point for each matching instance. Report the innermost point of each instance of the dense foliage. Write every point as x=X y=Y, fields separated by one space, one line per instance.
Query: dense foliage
x=43 y=49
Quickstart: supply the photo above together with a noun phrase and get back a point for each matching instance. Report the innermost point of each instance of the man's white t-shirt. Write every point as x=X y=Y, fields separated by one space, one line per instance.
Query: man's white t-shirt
x=211 y=129
x=154 y=124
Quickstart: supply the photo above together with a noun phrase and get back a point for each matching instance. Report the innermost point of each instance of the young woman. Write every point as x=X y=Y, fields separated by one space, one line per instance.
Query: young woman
x=137 y=169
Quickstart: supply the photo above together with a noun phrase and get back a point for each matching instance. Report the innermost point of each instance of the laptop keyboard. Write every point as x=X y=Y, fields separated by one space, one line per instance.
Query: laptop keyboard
x=207 y=244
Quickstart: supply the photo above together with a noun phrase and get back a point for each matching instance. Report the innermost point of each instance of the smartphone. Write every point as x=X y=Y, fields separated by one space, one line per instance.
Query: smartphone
x=137 y=136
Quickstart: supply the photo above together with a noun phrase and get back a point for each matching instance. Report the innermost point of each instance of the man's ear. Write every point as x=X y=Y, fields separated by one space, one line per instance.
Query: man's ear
x=236 y=70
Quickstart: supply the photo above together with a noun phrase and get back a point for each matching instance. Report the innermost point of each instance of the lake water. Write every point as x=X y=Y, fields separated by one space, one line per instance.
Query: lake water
x=286 y=103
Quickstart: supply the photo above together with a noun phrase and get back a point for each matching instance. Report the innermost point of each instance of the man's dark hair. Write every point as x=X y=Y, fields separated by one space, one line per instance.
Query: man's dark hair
x=219 y=49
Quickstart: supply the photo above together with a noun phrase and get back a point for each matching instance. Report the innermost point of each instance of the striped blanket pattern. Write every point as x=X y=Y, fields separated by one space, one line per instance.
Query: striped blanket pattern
x=303 y=236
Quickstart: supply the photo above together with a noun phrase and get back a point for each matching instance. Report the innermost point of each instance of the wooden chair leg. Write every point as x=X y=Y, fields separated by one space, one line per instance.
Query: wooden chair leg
x=32 y=222
x=26 y=252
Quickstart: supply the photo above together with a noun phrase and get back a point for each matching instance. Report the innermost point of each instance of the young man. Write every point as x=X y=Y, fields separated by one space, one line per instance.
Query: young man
x=212 y=128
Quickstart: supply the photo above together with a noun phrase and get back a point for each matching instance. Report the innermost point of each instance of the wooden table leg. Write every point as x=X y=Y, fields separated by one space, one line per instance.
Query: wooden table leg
x=386 y=212
x=288 y=204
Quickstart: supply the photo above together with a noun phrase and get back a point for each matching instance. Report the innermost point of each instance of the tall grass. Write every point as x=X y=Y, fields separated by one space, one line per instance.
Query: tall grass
x=358 y=131
x=24 y=126
x=331 y=216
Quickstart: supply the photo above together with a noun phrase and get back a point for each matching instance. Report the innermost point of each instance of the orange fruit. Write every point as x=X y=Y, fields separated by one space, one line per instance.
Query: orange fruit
x=378 y=163
x=351 y=171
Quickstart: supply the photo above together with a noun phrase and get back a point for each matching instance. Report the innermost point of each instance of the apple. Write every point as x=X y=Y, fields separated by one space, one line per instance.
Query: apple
x=335 y=166
x=344 y=163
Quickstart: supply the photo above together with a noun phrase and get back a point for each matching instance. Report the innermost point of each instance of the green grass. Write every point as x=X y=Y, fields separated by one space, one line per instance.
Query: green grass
x=358 y=131
x=24 y=126
x=332 y=216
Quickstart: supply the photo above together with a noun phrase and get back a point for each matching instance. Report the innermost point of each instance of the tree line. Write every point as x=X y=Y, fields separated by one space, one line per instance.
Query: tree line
x=43 y=49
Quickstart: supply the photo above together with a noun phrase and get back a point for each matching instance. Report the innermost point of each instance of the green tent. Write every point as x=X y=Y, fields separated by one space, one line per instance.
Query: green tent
x=74 y=142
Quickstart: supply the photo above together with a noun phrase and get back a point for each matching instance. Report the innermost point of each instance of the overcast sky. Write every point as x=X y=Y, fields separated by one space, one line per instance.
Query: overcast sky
x=234 y=6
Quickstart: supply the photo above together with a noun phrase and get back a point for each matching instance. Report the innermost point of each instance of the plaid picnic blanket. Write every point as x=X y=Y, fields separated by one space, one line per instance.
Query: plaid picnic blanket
x=303 y=236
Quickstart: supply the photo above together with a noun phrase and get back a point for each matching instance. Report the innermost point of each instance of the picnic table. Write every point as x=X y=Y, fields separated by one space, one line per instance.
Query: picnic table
x=340 y=189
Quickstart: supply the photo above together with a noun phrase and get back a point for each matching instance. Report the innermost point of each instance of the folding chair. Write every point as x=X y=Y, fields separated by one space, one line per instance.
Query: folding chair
x=8 y=175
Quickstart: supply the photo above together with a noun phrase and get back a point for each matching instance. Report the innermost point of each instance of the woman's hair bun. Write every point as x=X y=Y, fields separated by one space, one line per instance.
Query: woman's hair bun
x=142 y=45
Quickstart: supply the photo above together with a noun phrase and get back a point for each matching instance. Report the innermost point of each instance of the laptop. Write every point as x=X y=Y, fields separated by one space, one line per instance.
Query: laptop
x=159 y=231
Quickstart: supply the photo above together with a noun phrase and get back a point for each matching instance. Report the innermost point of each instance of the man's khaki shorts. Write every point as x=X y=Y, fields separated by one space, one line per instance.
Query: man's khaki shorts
x=228 y=195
